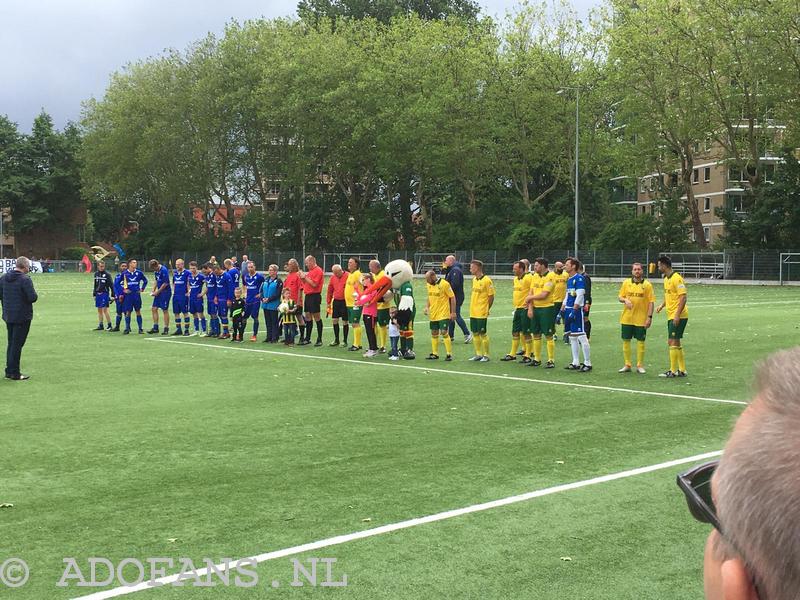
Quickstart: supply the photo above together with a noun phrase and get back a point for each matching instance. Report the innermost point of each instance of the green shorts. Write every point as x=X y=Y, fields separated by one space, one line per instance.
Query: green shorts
x=521 y=323
x=544 y=321
x=442 y=325
x=353 y=315
x=383 y=317
x=676 y=333
x=634 y=331
x=477 y=325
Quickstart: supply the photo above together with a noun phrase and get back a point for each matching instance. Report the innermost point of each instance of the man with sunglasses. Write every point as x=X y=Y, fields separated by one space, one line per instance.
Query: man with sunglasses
x=750 y=495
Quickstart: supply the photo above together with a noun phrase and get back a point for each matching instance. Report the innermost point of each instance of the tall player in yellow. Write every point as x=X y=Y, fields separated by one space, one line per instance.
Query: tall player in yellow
x=480 y=304
x=352 y=288
x=541 y=311
x=383 y=309
x=521 y=324
x=677 y=316
x=441 y=309
x=636 y=293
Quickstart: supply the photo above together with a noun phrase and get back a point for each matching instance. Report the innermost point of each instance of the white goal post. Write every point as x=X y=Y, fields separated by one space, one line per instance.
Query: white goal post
x=787 y=259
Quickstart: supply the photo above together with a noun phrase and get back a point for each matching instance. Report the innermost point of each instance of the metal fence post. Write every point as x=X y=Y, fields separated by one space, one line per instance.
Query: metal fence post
x=753 y=273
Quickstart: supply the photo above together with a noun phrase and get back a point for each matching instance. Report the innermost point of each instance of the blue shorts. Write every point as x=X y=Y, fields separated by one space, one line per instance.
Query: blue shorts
x=195 y=305
x=162 y=300
x=118 y=306
x=251 y=310
x=102 y=300
x=573 y=320
x=132 y=302
x=222 y=309
x=180 y=304
x=211 y=308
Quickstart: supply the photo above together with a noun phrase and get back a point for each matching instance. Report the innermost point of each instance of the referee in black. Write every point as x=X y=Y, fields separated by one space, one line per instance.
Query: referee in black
x=103 y=291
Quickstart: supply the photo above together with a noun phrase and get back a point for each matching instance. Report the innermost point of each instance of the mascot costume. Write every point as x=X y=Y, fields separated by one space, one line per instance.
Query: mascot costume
x=397 y=278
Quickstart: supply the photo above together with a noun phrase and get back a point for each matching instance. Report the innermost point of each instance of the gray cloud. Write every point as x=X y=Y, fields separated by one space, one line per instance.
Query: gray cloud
x=57 y=53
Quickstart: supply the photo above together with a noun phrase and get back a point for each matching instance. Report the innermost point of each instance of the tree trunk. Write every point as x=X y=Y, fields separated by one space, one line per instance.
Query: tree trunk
x=406 y=225
x=687 y=168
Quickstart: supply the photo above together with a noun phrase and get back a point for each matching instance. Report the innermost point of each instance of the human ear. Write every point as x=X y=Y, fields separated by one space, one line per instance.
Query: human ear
x=737 y=584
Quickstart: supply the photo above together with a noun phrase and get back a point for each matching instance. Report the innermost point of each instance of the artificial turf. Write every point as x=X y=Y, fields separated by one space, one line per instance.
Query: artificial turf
x=124 y=446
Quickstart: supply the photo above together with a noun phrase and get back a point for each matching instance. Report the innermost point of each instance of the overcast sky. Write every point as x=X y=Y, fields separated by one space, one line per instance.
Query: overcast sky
x=56 y=53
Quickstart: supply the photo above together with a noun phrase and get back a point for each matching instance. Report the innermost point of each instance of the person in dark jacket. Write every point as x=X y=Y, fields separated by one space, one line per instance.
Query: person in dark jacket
x=454 y=275
x=17 y=295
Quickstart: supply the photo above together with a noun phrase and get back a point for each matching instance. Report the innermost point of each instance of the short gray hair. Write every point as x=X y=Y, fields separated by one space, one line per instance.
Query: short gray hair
x=757 y=483
x=23 y=262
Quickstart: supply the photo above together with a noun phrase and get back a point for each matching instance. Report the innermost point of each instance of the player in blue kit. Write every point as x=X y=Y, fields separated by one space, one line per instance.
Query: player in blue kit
x=119 y=295
x=252 y=283
x=103 y=288
x=133 y=282
x=161 y=294
x=223 y=301
x=196 y=293
x=235 y=276
x=211 y=296
x=180 y=297
x=573 y=317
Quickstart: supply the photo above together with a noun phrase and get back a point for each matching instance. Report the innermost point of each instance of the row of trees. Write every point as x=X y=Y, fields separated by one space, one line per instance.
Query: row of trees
x=413 y=124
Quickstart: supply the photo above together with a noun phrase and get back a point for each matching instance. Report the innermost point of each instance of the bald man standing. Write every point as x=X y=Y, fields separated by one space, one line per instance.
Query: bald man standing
x=312 y=291
x=454 y=275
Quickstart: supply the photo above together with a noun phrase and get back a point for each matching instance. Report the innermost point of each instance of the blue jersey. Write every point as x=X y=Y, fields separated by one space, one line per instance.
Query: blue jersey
x=135 y=281
x=211 y=286
x=196 y=285
x=574 y=283
x=162 y=278
x=180 y=281
x=224 y=287
x=118 y=291
x=253 y=285
x=235 y=276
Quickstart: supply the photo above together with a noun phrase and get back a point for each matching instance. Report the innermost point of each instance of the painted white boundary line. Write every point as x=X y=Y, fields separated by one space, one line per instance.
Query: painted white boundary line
x=451 y=372
x=449 y=514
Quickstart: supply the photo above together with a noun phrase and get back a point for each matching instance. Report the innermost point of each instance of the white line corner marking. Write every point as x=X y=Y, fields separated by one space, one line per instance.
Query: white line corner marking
x=452 y=372
x=449 y=514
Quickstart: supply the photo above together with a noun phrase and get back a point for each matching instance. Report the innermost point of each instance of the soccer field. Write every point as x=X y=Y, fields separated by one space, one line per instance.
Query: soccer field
x=132 y=447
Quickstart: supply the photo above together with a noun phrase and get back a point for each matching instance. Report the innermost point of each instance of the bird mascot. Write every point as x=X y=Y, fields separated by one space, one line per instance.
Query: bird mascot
x=396 y=281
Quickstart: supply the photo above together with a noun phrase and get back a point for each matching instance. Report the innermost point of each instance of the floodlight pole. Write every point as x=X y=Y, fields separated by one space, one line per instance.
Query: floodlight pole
x=577 y=150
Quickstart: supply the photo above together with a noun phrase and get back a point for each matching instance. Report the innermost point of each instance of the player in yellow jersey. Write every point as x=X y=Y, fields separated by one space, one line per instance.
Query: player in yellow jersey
x=541 y=311
x=383 y=309
x=677 y=316
x=441 y=309
x=521 y=325
x=560 y=292
x=352 y=289
x=636 y=293
x=480 y=304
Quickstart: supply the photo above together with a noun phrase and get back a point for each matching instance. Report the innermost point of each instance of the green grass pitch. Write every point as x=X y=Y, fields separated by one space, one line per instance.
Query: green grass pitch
x=122 y=446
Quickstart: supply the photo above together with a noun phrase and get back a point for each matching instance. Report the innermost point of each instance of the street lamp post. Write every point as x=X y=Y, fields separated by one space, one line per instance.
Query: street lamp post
x=577 y=147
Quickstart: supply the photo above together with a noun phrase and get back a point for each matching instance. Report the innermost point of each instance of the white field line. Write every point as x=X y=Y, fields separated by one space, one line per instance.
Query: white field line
x=368 y=533
x=450 y=372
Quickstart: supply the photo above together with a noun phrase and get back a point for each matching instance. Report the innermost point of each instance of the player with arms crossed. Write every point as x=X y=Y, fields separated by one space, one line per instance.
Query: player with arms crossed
x=133 y=282
x=677 y=316
x=636 y=293
x=480 y=304
x=180 y=297
x=573 y=314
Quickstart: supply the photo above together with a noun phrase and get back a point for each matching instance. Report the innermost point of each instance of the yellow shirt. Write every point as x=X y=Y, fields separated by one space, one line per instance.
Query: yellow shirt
x=560 y=290
x=482 y=289
x=674 y=288
x=522 y=286
x=439 y=295
x=353 y=284
x=382 y=304
x=641 y=295
x=543 y=283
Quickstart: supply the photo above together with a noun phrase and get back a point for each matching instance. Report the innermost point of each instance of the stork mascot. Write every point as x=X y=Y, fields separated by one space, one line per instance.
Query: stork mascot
x=396 y=281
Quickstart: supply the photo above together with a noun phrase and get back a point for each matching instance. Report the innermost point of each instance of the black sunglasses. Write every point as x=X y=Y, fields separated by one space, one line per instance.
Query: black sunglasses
x=696 y=486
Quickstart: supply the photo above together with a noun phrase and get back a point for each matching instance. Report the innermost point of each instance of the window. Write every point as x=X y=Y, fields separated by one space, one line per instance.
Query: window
x=642 y=185
x=707 y=205
x=696 y=176
x=274 y=189
x=707 y=233
x=707 y=174
x=769 y=173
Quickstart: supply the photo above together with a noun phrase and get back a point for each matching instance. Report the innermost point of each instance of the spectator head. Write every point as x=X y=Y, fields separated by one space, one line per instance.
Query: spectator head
x=292 y=266
x=755 y=489
x=476 y=267
x=244 y=258
x=154 y=264
x=311 y=262
x=228 y=263
x=519 y=268
x=664 y=263
x=353 y=263
x=337 y=270
x=23 y=264
x=637 y=270
x=449 y=261
x=573 y=265
x=273 y=270
x=558 y=266
x=431 y=277
x=540 y=265
x=374 y=266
